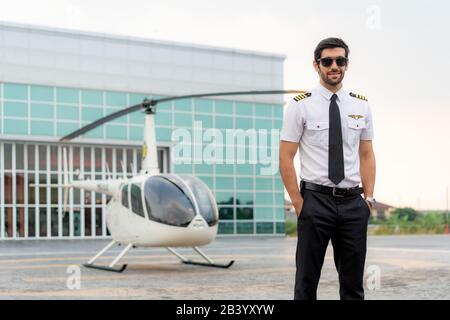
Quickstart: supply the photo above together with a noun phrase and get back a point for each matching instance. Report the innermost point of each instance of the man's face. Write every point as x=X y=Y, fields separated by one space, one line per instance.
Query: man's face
x=334 y=74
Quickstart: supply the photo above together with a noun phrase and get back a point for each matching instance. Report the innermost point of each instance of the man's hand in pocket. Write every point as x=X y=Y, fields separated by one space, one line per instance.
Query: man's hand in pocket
x=298 y=205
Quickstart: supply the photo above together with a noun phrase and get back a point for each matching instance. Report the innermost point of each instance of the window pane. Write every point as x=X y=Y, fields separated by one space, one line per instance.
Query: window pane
x=98 y=160
x=20 y=188
x=7 y=154
x=16 y=126
x=31 y=157
x=264 y=227
x=92 y=97
x=42 y=128
x=264 y=198
x=203 y=105
x=244 y=227
x=224 y=197
x=245 y=213
x=15 y=91
x=226 y=213
x=223 y=122
x=64 y=128
x=281 y=227
x=67 y=95
x=87 y=159
x=136 y=200
x=75 y=159
x=226 y=228
x=19 y=156
x=40 y=110
x=243 y=108
x=244 y=183
x=42 y=158
x=54 y=158
x=15 y=109
x=224 y=183
x=41 y=93
x=125 y=196
x=263 y=110
x=31 y=222
x=244 y=198
x=225 y=107
x=67 y=112
x=91 y=114
x=116 y=99
x=183 y=105
x=116 y=132
x=264 y=213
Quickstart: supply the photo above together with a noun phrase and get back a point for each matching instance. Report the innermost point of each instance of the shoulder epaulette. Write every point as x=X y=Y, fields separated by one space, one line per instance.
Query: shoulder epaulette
x=302 y=96
x=358 y=96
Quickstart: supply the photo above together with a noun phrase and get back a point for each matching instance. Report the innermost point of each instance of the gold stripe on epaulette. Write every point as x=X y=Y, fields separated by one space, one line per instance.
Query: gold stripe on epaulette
x=358 y=96
x=302 y=96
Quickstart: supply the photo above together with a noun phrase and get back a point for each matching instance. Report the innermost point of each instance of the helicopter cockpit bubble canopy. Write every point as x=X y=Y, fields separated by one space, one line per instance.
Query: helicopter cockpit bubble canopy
x=169 y=200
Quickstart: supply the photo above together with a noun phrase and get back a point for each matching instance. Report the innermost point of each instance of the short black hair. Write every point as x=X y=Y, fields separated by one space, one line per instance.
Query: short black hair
x=330 y=43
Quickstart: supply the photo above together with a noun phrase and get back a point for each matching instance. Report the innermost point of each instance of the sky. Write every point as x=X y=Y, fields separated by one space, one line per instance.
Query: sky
x=398 y=60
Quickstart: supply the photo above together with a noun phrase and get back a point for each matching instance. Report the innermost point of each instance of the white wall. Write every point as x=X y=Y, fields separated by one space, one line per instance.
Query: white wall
x=56 y=57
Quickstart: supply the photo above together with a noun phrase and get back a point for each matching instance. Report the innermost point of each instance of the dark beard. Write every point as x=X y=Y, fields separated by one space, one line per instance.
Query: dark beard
x=323 y=76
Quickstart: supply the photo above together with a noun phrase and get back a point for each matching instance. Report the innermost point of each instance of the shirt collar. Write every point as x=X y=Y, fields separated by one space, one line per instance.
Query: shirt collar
x=341 y=93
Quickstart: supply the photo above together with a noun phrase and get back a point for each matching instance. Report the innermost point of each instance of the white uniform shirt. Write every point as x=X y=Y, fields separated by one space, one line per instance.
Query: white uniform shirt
x=307 y=122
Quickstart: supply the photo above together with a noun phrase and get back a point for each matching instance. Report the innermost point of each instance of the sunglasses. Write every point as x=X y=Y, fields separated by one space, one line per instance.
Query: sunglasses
x=327 y=62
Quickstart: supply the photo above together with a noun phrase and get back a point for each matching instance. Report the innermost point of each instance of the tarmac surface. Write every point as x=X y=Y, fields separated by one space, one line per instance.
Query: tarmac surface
x=397 y=267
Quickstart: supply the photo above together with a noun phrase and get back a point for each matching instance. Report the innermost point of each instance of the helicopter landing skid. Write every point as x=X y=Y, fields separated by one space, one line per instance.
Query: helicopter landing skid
x=93 y=266
x=111 y=268
x=209 y=263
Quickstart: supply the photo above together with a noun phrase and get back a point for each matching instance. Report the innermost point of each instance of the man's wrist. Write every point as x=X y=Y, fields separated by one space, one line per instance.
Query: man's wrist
x=371 y=201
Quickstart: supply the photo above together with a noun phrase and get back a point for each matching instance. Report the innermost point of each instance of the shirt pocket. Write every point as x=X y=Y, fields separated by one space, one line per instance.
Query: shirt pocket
x=355 y=128
x=317 y=132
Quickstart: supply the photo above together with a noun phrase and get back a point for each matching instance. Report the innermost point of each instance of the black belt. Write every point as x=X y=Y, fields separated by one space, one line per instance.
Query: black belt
x=335 y=192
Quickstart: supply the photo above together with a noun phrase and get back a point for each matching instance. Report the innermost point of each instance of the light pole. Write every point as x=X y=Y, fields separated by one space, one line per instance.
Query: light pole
x=446 y=212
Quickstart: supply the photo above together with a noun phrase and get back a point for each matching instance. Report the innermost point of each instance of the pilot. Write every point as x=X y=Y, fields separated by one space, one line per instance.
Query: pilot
x=333 y=131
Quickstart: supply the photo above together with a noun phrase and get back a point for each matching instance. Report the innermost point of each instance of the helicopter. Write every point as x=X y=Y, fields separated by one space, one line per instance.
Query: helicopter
x=154 y=209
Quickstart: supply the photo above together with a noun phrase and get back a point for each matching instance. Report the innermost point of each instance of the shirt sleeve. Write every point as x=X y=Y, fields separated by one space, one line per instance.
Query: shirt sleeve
x=292 y=122
x=367 y=132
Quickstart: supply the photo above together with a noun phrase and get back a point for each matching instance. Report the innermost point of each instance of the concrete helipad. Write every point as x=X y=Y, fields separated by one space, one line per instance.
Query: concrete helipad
x=398 y=267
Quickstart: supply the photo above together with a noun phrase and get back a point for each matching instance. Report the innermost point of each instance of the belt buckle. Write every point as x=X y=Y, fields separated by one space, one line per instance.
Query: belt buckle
x=337 y=195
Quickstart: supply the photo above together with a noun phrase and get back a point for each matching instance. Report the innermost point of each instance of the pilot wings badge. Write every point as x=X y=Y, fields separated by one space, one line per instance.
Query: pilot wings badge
x=356 y=116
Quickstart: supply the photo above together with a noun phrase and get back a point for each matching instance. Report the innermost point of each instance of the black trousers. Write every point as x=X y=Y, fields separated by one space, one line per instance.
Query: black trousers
x=344 y=222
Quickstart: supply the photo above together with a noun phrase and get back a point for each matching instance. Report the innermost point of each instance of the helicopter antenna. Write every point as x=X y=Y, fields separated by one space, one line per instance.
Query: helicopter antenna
x=108 y=172
x=124 y=170
x=133 y=169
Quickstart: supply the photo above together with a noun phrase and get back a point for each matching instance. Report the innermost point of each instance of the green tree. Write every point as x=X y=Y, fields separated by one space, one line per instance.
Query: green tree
x=410 y=213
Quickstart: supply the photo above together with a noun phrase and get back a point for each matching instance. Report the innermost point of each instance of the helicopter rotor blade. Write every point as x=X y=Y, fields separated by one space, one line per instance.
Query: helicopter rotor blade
x=150 y=103
x=101 y=121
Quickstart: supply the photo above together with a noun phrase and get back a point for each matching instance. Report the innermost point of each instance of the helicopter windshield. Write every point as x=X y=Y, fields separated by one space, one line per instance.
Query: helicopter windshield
x=170 y=191
x=205 y=201
x=166 y=202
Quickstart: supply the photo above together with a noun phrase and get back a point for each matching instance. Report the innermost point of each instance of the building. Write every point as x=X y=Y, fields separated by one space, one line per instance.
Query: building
x=381 y=211
x=53 y=81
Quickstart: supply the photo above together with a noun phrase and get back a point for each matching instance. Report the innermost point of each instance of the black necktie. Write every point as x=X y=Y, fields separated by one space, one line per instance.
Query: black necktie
x=335 y=149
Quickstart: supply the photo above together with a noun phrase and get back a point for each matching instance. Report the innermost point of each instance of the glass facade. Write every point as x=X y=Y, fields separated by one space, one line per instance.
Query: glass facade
x=248 y=201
